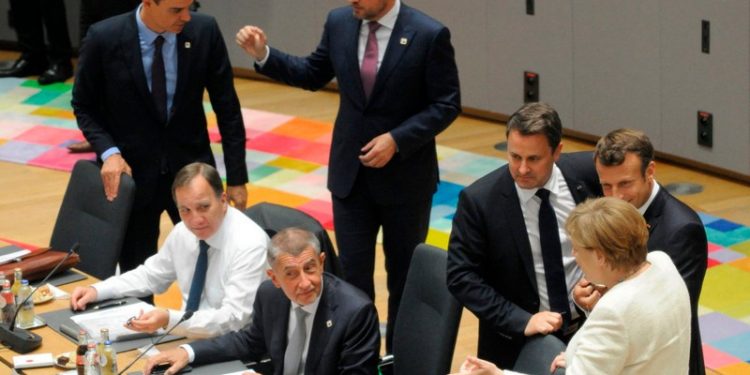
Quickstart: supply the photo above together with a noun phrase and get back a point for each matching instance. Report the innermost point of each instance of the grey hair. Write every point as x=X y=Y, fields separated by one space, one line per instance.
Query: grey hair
x=292 y=241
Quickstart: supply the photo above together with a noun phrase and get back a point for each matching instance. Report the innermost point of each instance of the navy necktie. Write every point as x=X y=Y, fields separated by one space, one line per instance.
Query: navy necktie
x=159 y=79
x=199 y=278
x=554 y=273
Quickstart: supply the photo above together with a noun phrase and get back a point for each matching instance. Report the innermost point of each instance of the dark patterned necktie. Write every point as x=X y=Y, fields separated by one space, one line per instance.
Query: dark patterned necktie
x=554 y=273
x=159 y=79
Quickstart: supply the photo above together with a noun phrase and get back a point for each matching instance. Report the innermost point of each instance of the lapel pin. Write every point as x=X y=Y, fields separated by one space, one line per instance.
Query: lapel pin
x=404 y=41
x=187 y=44
x=329 y=324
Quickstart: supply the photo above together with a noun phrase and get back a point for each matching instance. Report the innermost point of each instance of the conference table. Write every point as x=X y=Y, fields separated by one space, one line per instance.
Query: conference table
x=53 y=342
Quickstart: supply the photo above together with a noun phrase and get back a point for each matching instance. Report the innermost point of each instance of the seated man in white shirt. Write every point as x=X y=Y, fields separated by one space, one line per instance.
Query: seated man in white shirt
x=236 y=258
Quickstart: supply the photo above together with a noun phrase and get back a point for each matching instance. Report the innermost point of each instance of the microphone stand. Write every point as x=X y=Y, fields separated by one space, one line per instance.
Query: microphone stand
x=20 y=340
x=185 y=317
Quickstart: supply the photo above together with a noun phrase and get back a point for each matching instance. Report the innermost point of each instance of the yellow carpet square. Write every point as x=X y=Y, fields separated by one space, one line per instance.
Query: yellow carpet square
x=284 y=162
x=724 y=290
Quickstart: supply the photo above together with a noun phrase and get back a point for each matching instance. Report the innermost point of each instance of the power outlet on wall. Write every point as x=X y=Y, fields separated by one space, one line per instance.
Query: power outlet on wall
x=705 y=129
x=530 y=87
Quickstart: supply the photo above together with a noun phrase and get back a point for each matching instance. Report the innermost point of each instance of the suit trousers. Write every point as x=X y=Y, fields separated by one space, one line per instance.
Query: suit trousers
x=31 y=18
x=357 y=220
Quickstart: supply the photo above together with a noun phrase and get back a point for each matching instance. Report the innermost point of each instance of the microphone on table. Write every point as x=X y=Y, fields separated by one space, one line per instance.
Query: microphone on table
x=185 y=317
x=20 y=340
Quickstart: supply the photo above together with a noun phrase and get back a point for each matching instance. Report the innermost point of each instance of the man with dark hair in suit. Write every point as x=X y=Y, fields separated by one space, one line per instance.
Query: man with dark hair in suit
x=624 y=160
x=398 y=83
x=305 y=320
x=509 y=258
x=138 y=98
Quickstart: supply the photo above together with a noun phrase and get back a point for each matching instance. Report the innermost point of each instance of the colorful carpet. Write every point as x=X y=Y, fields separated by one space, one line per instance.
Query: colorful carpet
x=287 y=158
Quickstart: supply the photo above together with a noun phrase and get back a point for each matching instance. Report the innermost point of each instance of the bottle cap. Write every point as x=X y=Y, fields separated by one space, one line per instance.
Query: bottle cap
x=24 y=282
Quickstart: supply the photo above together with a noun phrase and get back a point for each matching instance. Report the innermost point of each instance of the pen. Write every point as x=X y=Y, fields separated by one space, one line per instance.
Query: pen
x=110 y=304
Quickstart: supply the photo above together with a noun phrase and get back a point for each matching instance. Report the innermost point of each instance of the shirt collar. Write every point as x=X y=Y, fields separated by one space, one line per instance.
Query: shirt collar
x=389 y=19
x=654 y=191
x=552 y=184
x=216 y=241
x=147 y=35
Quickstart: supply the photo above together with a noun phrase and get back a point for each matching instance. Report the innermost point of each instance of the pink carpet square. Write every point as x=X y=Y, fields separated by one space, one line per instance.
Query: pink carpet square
x=276 y=144
x=712 y=263
x=46 y=135
x=59 y=158
x=262 y=120
x=10 y=128
x=714 y=358
x=314 y=152
x=713 y=247
x=320 y=210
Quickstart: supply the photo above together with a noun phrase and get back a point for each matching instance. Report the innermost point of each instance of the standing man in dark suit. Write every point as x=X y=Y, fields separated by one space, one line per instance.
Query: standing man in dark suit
x=306 y=321
x=624 y=160
x=499 y=265
x=141 y=107
x=398 y=82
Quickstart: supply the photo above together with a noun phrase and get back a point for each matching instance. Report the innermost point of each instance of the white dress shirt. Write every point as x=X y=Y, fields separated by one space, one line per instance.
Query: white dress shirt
x=654 y=191
x=383 y=34
x=236 y=267
x=563 y=203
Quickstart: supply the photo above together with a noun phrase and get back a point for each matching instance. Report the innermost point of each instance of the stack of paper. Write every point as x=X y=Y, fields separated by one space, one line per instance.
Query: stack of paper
x=114 y=320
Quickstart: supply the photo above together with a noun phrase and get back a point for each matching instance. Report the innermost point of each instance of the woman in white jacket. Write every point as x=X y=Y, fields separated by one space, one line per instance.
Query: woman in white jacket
x=641 y=325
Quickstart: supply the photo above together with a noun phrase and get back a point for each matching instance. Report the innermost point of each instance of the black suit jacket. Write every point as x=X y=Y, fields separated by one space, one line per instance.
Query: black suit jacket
x=345 y=337
x=114 y=107
x=490 y=266
x=416 y=96
x=678 y=231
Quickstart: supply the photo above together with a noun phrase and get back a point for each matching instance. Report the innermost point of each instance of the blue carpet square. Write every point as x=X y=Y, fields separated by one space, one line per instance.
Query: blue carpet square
x=723 y=225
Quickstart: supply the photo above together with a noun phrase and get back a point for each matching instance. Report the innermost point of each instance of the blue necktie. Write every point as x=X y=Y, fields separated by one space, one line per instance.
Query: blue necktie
x=554 y=273
x=199 y=278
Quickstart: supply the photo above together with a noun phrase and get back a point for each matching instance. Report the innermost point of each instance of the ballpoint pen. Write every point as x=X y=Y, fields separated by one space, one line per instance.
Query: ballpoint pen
x=109 y=304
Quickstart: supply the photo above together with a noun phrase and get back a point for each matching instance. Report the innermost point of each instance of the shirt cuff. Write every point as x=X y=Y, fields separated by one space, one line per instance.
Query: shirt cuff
x=190 y=352
x=103 y=292
x=263 y=62
x=110 y=151
x=174 y=317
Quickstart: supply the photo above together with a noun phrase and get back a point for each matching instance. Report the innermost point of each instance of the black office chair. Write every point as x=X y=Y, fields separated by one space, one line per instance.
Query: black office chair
x=273 y=218
x=537 y=355
x=424 y=335
x=87 y=217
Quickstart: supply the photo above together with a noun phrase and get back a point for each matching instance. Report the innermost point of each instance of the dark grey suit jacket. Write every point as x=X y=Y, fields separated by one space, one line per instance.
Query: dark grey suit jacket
x=490 y=267
x=678 y=231
x=416 y=96
x=114 y=106
x=345 y=337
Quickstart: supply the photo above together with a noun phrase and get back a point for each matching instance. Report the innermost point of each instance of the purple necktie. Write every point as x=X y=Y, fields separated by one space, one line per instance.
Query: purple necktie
x=370 y=61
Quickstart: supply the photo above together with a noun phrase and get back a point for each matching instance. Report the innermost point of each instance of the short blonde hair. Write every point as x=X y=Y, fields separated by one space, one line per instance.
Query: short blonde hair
x=612 y=226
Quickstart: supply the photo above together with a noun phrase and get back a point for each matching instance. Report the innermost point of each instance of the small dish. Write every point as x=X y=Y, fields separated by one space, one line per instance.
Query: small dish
x=70 y=364
x=44 y=294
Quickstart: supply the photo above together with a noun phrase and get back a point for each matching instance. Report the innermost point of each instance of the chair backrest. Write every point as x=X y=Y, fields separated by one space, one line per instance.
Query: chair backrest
x=87 y=217
x=425 y=331
x=273 y=218
x=537 y=354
